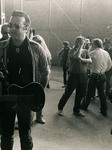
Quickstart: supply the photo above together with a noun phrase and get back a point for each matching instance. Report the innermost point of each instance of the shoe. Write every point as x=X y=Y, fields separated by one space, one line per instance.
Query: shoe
x=40 y=120
x=60 y=112
x=78 y=114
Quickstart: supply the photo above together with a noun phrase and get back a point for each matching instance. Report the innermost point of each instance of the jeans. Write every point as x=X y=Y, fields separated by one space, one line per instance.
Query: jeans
x=108 y=76
x=8 y=124
x=78 y=82
x=96 y=81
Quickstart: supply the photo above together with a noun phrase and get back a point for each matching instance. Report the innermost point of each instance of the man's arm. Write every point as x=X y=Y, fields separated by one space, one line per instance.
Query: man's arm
x=88 y=60
x=44 y=69
x=78 y=52
x=60 y=53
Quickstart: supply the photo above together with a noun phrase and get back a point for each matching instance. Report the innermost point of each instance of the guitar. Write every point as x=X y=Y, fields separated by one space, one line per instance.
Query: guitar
x=31 y=95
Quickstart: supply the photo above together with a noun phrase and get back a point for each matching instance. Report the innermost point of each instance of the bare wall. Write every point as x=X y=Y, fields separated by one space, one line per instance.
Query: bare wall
x=58 y=20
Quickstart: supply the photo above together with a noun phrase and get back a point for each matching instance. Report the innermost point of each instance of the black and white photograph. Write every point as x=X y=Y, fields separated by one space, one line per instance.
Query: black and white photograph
x=55 y=74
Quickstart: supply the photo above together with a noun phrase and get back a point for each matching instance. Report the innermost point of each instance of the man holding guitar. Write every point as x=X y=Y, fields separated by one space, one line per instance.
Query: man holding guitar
x=25 y=61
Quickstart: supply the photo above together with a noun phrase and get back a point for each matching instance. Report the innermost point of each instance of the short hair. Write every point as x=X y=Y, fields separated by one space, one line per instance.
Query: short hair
x=79 y=39
x=4 y=26
x=19 y=13
x=98 y=42
x=65 y=42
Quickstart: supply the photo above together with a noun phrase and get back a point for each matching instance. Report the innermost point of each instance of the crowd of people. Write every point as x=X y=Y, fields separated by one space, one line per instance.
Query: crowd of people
x=90 y=68
x=87 y=66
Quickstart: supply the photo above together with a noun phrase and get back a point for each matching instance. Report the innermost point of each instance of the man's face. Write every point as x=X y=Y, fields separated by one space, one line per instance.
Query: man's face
x=5 y=32
x=17 y=27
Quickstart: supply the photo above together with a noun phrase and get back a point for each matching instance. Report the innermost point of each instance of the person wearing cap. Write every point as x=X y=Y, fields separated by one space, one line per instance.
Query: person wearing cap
x=39 y=39
x=63 y=55
x=77 y=79
x=108 y=48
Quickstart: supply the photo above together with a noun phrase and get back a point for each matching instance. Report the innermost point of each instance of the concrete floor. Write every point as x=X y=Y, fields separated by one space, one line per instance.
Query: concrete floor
x=69 y=132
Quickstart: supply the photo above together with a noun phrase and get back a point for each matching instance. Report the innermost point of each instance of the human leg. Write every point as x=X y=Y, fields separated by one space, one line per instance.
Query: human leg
x=78 y=98
x=103 y=102
x=80 y=92
x=39 y=117
x=90 y=89
x=8 y=123
x=64 y=74
x=25 y=119
x=108 y=76
x=71 y=85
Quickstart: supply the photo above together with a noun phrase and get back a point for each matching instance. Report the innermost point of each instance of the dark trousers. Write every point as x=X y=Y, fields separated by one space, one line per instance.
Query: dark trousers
x=65 y=73
x=8 y=122
x=78 y=82
x=108 y=76
x=96 y=81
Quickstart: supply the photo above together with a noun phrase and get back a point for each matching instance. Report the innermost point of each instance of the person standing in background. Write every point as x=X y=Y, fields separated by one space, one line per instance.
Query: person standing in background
x=39 y=39
x=63 y=55
x=5 y=31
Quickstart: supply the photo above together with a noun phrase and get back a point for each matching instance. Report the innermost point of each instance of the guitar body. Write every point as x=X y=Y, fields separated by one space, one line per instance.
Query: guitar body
x=32 y=96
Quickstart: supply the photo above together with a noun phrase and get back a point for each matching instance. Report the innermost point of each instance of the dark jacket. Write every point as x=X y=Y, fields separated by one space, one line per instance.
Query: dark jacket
x=39 y=60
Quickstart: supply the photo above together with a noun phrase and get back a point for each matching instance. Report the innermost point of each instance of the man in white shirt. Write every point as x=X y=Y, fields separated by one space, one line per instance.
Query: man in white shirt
x=101 y=62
